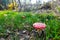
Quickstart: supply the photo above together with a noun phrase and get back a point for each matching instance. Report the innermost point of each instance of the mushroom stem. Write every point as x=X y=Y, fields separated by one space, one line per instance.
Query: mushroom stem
x=38 y=30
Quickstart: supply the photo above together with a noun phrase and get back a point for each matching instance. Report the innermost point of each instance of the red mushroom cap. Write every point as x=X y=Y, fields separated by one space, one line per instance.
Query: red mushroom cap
x=40 y=26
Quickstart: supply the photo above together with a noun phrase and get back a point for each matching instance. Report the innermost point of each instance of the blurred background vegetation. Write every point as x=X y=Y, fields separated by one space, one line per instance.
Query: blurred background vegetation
x=28 y=5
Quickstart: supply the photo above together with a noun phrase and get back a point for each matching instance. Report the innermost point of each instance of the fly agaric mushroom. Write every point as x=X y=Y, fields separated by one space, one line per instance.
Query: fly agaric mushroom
x=40 y=30
x=39 y=26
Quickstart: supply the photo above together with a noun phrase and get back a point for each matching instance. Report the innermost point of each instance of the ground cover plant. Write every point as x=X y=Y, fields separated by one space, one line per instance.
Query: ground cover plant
x=15 y=22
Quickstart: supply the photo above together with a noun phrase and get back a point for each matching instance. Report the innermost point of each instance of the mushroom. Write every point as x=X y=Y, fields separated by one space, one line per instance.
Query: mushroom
x=40 y=29
x=39 y=26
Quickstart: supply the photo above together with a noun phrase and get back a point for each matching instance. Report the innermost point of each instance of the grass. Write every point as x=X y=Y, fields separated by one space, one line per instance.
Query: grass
x=20 y=20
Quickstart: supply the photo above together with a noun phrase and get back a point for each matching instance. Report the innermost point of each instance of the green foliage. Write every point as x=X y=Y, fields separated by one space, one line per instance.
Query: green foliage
x=25 y=20
x=58 y=8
